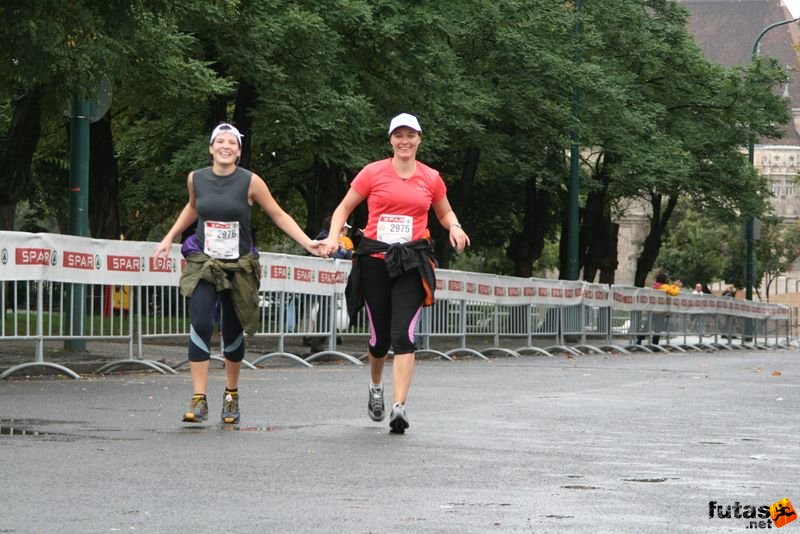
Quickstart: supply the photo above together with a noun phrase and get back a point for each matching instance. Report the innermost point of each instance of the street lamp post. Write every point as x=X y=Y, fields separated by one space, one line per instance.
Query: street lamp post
x=573 y=211
x=78 y=209
x=749 y=229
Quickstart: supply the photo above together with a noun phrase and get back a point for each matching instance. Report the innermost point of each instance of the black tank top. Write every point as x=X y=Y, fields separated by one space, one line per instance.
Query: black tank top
x=224 y=198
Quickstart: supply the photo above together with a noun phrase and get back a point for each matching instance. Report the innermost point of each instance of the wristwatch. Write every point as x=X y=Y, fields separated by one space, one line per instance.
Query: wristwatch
x=457 y=225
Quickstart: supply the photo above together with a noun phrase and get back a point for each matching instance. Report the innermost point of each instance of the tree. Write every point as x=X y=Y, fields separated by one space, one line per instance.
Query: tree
x=695 y=249
x=775 y=251
x=678 y=122
x=57 y=51
x=312 y=84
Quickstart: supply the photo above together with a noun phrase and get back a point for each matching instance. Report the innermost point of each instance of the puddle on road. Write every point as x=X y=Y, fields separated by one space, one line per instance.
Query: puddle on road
x=16 y=431
x=241 y=428
x=37 y=428
x=31 y=428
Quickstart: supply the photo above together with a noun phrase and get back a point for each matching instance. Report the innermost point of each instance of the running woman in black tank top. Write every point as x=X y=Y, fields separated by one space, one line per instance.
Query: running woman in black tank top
x=220 y=201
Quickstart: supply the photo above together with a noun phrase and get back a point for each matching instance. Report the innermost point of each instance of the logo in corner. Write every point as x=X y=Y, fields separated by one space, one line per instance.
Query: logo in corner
x=782 y=513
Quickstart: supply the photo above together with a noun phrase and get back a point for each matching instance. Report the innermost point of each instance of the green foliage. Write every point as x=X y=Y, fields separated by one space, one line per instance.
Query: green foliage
x=695 y=251
x=493 y=75
x=774 y=252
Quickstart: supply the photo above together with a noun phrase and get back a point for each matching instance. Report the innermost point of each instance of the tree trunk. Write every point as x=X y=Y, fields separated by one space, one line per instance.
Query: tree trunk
x=598 y=241
x=652 y=243
x=328 y=187
x=610 y=262
x=460 y=196
x=592 y=234
x=104 y=220
x=16 y=153
x=526 y=246
x=246 y=97
x=598 y=234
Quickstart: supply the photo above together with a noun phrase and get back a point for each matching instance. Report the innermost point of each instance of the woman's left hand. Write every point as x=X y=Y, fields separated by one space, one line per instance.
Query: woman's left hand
x=458 y=239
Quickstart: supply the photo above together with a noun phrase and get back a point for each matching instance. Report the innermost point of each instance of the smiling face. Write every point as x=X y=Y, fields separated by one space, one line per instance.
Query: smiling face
x=404 y=141
x=225 y=150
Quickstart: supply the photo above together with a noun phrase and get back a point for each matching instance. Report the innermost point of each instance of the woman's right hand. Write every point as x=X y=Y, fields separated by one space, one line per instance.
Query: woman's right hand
x=163 y=248
x=329 y=245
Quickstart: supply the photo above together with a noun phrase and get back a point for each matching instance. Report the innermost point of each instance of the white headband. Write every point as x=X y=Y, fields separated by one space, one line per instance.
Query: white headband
x=225 y=127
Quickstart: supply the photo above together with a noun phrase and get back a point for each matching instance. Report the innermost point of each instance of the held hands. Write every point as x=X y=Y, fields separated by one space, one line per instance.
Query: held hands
x=329 y=245
x=317 y=248
x=458 y=239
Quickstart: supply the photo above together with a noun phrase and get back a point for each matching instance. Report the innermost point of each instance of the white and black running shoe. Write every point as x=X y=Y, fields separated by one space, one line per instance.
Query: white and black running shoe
x=375 y=406
x=398 y=421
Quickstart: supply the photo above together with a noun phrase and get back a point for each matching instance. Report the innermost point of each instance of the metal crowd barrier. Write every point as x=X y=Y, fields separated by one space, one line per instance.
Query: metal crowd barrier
x=71 y=289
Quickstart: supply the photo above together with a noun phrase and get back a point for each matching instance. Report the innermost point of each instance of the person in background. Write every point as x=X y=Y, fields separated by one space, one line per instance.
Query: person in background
x=222 y=263
x=661 y=320
x=729 y=292
x=393 y=269
x=345 y=250
x=319 y=307
x=698 y=289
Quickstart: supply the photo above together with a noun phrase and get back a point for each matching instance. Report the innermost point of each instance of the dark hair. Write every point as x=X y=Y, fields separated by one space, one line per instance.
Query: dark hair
x=661 y=278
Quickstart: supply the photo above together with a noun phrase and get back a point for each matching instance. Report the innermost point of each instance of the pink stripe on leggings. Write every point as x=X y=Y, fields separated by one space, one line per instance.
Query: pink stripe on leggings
x=413 y=326
x=372 y=338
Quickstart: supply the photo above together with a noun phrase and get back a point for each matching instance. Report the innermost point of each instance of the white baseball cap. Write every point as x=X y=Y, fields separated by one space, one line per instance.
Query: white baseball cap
x=223 y=128
x=404 y=119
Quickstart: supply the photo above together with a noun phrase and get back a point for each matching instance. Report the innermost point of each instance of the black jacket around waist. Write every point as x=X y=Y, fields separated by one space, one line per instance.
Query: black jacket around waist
x=400 y=258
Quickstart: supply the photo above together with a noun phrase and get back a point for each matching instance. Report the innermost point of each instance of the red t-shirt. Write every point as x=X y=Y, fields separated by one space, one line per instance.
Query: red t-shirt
x=398 y=208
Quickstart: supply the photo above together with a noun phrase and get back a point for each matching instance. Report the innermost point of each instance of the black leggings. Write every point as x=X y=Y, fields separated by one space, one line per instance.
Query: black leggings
x=203 y=312
x=393 y=307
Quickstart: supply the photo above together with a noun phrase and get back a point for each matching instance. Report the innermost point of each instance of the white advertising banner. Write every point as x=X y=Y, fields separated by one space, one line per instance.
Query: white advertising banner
x=480 y=287
x=624 y=298
x=451 y=285
x=596 y=295
x=303 y=274
x=510 y=290
x=65 y=258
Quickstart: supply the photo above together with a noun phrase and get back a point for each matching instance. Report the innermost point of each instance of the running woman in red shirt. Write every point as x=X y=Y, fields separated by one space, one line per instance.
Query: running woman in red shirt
x=393 y=266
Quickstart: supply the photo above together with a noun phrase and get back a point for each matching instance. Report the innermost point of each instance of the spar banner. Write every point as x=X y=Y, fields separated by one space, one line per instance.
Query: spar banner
x=451 y=285
x=556 y=292
x=598 y=295
x=624 y=298
x=694 y=304
x=510 y=291
x=462 y=285
x=65 y=258
x=480 y=287
x=303 y=274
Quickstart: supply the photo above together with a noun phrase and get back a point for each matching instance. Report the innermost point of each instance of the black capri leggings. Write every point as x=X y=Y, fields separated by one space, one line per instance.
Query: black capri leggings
x=203 y=312
x=393 y=307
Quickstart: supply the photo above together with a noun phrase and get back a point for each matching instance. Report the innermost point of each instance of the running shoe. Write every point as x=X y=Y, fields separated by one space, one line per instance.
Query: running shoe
x=198 y=410
x=230 y=407
x=375 y=406
x=398 y=421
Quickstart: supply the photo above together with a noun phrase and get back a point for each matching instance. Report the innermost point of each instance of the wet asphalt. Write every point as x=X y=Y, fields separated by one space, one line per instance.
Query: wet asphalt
x=596 y=443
